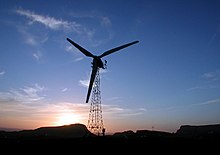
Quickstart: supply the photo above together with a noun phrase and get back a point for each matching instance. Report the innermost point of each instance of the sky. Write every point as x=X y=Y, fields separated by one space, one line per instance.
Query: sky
x=170 y=78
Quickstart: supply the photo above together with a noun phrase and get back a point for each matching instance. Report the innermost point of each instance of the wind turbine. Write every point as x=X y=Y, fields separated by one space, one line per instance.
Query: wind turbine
x=97 y=62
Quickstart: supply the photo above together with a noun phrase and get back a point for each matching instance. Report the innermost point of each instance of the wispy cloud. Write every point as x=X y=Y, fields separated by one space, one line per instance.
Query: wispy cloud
x=101 y=71
x=37 y=55
x=117 y=112
x=14 y=111
x=211 y=80
x=78 y=59
x=71 y=49
x=65 y=90
x=6 y=96
x=214 y=35
x=28 y=37
x=47 y=21
x=84 y=83
x=24 y=95
x=35 y=41
x=2 y=73
x=215 y=101
x=212 y=76
x=86 y=32
x=114 y=99
x=209 y=86
x=30 y=40
x=31 y=115
x=111 y=111
x=53 y=23
x=195 y=88
x=105 y=21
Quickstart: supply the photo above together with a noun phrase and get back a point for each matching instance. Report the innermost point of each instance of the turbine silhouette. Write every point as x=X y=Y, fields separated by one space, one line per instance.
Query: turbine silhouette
x=97 y=62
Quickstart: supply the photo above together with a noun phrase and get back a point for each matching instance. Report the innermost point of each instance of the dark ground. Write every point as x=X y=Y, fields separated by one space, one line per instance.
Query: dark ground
x=187 y=139
x=111 y=144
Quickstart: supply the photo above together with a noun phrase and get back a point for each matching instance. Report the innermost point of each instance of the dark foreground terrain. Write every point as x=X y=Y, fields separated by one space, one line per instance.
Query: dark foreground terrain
x=76 y=137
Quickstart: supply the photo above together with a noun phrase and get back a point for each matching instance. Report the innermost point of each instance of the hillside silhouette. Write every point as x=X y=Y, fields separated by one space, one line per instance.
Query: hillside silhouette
x=77 y=135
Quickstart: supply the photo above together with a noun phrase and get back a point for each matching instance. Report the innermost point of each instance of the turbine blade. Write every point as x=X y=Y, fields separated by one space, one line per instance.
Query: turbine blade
x=84 y=51
x=92 y=78
x=117 y=48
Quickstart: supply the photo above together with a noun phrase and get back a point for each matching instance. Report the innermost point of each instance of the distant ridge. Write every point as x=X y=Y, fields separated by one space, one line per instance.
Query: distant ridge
x=196 y=131
x=187 y=131
x=70 y=131
x=80 y=131
x=9 y=129
x=142 y=134
x=65 y=131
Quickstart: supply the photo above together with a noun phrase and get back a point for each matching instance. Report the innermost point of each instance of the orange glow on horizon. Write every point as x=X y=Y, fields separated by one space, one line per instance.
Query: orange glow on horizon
x=67 y=118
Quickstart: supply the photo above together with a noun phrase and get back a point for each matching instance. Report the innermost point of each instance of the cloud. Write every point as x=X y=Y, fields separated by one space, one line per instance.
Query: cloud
x=142 y=109
x=215 y=101
x=83 y=109
x=2 y=73
x=18 y=114
x=30 y=40
x=65 y=90
x=195 y=88
x=214 y=35
x=6 y=96
x=47 y=21
x=35 y=41
x=90 y=33
x=105 y=21
x=101 y=71
x=37 y=55
x=32 y=116
x=23 y=95
x=71 y=49
x=78 y=59
x=204 y=87
x=212 y=76
x=111 y=111
x=103 y=25
x=211 y=81
x=114 y=111
x=115 y=99
x=50 y=22
x=28 y=105
x=84 y=83
x=28 y=37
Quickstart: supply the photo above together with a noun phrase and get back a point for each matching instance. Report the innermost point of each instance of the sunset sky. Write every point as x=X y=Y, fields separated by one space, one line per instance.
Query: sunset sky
x=170 y=78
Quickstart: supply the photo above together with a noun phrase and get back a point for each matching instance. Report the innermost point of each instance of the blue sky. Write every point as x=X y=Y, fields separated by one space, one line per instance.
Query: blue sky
x=170 y=78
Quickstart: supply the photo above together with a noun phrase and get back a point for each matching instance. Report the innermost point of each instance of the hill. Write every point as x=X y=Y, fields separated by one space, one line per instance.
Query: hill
x=199 y=131
x=65 y=131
